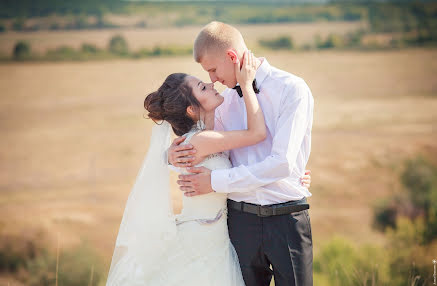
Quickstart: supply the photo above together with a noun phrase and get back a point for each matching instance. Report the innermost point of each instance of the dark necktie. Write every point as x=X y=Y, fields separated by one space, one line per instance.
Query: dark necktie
x=240 y=93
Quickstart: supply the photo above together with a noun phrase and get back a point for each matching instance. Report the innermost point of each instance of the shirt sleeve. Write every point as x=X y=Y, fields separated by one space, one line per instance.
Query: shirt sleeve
x=295 y=118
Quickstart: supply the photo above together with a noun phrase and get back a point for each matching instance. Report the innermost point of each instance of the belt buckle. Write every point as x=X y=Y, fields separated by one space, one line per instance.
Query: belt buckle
x=258 y=210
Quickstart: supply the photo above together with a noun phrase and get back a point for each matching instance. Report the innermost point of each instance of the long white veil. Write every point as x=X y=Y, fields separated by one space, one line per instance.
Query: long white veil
x=148 y=223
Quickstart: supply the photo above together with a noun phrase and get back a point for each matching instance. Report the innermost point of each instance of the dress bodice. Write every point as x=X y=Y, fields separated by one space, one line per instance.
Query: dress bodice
x=209 y=206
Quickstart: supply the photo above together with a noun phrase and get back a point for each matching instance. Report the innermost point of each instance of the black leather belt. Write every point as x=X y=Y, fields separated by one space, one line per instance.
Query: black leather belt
x=269 y=210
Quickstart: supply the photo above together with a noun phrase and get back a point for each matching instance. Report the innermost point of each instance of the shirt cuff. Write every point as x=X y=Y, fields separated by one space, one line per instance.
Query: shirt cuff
x=219 y=180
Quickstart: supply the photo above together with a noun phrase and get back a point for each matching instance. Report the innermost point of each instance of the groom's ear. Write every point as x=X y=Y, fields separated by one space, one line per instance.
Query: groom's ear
x=233 y=55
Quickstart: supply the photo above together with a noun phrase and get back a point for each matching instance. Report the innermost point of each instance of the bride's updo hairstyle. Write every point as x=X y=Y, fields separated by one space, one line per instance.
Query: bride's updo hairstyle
x=170 y=103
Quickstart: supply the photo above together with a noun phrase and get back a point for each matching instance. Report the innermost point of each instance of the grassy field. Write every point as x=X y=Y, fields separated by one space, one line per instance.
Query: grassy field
x=73 y=138
x=139 y=38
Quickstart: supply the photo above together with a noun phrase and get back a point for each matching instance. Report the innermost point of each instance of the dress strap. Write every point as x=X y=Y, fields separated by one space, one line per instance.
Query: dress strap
x=220 y=213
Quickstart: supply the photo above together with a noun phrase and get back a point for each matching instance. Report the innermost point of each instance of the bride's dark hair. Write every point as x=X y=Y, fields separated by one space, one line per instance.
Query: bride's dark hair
x=170 y=103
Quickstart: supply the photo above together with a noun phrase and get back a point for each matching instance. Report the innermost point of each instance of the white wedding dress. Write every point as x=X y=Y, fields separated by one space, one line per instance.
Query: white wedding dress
x=201 y=253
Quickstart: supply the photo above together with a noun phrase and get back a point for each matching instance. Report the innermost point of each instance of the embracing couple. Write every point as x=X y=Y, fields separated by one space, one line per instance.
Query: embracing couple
x=241 y=156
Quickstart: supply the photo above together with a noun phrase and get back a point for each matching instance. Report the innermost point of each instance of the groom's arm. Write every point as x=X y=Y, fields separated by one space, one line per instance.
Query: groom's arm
x=295 y=118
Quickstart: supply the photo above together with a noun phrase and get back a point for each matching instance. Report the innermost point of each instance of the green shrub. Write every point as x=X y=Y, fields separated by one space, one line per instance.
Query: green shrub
x=22 y=50
x=62 y=53
x=409 y=220
x=384 y=214
x=418 y=178
x=282 y=42
x=158 y=51
x=354 y=38
x=171 y=50
x=40 y=271
x=118 y=45
x=54 y=26
x=408 y=257
x=419 y=199
x=28 y=259
x=76 y=266
x=16 y=251
x=89 y=48
x=342 y=263
x=332 y=41
x=18 y=24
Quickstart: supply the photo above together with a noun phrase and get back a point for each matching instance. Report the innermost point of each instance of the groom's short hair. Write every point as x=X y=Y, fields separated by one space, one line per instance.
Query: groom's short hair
x=216 y=37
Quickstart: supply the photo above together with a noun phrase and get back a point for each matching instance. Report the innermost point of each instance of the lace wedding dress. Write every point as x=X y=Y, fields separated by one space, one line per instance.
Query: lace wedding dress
x=200 y=253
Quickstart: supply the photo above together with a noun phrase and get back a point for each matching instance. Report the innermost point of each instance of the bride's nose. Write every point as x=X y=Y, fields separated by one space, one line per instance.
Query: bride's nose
x=211 y=85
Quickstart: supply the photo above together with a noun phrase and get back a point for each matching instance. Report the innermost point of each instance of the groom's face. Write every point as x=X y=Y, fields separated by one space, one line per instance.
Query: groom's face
x=220 y=68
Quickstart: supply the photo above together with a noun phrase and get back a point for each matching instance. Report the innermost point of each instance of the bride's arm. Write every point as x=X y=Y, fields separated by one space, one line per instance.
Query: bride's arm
x=210 y=141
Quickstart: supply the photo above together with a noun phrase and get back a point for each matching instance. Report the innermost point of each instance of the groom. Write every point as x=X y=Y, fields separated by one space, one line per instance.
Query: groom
x=268 y=216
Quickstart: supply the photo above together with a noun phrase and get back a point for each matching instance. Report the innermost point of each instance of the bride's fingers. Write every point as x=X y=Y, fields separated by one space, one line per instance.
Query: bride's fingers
x=179 y=140
x=253 y=60
x=305 y=182
x=186 y=189
x=184 y=153
x=237 y=66
x=184 y=148
x=187 y=159
x=189 y=194
x=185 y=183
x=182 y=165
x=305 y=179
x=245 y=58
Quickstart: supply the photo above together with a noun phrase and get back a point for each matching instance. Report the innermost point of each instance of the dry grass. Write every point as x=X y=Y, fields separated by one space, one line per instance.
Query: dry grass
x=73 y=137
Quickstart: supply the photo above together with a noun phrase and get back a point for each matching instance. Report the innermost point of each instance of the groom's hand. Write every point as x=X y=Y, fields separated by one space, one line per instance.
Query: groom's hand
x=197 y=184
x=180 y=155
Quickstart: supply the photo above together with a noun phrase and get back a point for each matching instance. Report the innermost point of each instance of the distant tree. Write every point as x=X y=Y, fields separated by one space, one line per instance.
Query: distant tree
x=118 y=45
x=419 y=179
x=21 y=50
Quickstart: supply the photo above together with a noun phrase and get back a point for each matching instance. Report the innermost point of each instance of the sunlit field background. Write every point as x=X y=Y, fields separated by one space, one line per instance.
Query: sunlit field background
x=74 y=136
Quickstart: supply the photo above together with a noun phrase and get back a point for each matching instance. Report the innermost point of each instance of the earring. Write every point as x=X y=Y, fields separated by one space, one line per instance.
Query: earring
x=200 y=124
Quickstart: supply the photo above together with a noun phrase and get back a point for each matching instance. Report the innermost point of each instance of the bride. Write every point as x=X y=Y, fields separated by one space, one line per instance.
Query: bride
x=156 y=247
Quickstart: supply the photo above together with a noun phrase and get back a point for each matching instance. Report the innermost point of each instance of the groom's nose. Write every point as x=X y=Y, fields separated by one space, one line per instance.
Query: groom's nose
x=213 y=77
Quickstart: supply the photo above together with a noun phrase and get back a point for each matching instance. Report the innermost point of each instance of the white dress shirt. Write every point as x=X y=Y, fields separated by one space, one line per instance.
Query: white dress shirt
x=270 y=171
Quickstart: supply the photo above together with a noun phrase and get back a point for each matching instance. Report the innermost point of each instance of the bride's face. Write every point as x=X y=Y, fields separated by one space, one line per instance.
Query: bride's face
x=205 y=93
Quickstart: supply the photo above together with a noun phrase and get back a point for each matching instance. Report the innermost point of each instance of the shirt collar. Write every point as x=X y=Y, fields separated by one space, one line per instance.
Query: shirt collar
x=262 y=72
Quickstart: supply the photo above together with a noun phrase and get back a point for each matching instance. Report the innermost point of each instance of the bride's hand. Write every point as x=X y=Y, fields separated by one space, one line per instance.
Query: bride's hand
x=246 y=75
x=306 y=179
